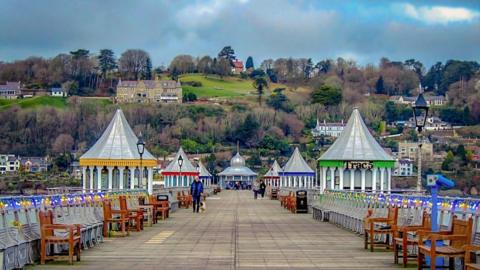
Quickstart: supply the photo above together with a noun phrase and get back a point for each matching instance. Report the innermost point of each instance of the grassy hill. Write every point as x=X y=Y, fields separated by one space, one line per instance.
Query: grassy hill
x=34 y=102
x=214 y=86
x=47 y=101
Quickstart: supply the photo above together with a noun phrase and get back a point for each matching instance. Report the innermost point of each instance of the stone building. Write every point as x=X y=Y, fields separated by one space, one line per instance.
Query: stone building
x=149 y=91
x=410 y=150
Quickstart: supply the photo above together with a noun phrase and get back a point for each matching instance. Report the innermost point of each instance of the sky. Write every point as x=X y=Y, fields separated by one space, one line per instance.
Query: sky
x=363 y=31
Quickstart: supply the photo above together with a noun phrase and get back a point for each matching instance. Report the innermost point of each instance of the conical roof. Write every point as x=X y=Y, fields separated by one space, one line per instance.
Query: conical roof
x=274 y=170
x=204 y=173
x=118 y=142
x=356 y=143
x=296 y=164
x=187 y=166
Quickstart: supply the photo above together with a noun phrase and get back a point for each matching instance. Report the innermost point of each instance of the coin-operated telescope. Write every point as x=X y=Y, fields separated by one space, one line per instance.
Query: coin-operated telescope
x=435 y=181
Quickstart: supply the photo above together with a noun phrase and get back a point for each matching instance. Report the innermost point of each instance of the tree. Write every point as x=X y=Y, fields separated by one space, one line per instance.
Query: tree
x=247 y=129
x=132 y=63
x=63 y=144
x=147 y=71
x=227 y=53
x=106 y=61
x=447 y=162
x=327 y=95
x=189 y=97
x=324 y=66
x=260 y=83
x=249 y=63
x=183 y=64
x=308 y=69
x=222 y=67
x=205 y=65
x=379 y=87
x=391 y=111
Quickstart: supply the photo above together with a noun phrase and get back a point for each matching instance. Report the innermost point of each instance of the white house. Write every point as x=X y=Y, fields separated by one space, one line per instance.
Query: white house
x=9 y=163
x=58 y=92
x=432 y=123
x=403 y=167
x=328 y=129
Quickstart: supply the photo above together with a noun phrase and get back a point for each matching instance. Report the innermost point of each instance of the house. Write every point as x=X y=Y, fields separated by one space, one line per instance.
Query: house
x=149 y=91
x=9 y=163
x=410 y=150
x=10 y=90
x=431 y=100
x=403 y=167
x=328 y=129
x=35 y=164
x=237 y=66
x=58 y=92
x=433 y=123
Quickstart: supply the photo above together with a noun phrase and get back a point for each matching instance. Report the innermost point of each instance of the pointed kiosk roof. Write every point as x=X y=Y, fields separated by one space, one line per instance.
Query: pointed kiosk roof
x=356 y=143
x=187 y=167
x=204 y=173
x=237 y=167
x=274 y=171
x=117 y=147
x=296 y=165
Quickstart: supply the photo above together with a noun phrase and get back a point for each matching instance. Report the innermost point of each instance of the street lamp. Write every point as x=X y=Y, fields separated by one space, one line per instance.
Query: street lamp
x=141 y=150
x=420 y=114
x=180 y=164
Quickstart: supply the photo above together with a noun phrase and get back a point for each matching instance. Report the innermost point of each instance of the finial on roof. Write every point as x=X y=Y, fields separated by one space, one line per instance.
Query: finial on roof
x=238 y=147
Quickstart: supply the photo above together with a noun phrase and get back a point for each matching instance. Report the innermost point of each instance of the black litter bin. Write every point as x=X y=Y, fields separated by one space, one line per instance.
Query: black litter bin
x=302 y=205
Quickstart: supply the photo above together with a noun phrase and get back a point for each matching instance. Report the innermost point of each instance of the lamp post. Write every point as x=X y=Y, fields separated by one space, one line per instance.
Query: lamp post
x=141 y=150
x=180 y=163
x=420 y=114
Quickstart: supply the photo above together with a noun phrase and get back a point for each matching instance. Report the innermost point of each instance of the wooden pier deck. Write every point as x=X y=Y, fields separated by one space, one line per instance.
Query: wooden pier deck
x=236 y=232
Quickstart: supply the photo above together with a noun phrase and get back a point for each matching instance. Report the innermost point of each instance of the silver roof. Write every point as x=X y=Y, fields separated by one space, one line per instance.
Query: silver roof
x=239 y=171
x=187 y=166
x=296 y=164
x=117 y=142
x=274 y=170
x=237 y=167
x=203 y=171
x=356 y=143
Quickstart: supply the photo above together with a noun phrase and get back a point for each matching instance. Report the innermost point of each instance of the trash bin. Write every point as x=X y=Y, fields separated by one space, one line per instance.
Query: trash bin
x=302 y=205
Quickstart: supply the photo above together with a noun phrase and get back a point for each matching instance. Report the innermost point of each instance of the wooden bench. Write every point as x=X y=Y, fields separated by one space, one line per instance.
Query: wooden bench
x=121 y=218
x=406 y=236
x=51 y=234
x=135 y=216
x=375 y=226
x=459 y=237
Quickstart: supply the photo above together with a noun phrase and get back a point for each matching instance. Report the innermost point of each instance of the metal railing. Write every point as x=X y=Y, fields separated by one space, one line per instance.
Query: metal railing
x=348 y=208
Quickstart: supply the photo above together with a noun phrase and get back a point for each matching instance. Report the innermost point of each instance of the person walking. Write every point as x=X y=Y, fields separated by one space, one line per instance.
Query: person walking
x=262 y=188
x=196 y=189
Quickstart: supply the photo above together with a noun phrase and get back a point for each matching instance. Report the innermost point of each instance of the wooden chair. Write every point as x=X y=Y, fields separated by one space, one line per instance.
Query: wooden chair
x=375 y=226
x=459 y=236
x=406 y=236
x=182 y=200
x=274 y=194
x=292 y=203
x=135 y=216
x=188 y=198
x=469 y=265
x=58 y=234
x=109 y=219
x=163 y=209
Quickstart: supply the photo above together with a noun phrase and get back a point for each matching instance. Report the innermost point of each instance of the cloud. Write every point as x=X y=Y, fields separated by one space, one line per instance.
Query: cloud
x=440 y=14
x=261 y=29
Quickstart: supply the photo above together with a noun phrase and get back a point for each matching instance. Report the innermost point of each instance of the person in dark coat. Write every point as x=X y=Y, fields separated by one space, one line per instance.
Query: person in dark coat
x=196 y=189
x=262 y=188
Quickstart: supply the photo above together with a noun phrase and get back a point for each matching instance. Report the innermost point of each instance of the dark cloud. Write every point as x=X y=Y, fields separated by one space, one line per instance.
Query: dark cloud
x=364 y=31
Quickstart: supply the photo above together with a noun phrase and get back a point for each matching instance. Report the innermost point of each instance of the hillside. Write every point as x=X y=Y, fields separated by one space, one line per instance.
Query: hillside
x=47 y=101
x=214 y=86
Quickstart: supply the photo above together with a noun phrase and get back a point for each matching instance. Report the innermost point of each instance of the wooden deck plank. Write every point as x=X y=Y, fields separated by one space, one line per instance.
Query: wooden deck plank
x=236 y=232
